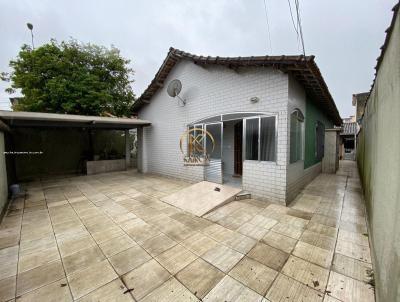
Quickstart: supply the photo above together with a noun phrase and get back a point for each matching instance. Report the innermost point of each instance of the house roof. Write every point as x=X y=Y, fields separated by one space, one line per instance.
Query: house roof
x=39 y=119
x=303 y=68
x=349 y=128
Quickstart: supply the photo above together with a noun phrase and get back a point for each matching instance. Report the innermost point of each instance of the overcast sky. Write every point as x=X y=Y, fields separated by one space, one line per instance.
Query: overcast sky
x=344 y=35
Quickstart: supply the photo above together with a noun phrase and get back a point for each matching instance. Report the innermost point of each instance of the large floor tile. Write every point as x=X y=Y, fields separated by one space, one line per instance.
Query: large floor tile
x=158 y=244
x=9 y=262
x=231 y=290
x=222 y=257
x=319 y=240
x=351 y=267
x=306 y=272
x=35 y=259
x=56 y=291
x=113 y=291
x=348 y=289
x=144 y=279
x=268 y=256
x=7 y=288
x=289 y=290
x=288 y=230
x=129 y=259
x=176 y=258
x=40 y=276
x=199 y=243
x=84 y=281
x=82 y=259
x=200 y=277
x=75 y=244
x=254 y=275
x=171 y=290
x=313 y=254
x=353 y=250
x=279 y=241
x=117 y=245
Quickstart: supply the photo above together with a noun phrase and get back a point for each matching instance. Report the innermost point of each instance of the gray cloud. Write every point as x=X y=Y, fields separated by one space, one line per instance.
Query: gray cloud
x=344 y=35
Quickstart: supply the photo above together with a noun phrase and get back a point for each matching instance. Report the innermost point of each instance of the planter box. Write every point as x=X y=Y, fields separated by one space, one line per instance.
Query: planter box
x=102 y=166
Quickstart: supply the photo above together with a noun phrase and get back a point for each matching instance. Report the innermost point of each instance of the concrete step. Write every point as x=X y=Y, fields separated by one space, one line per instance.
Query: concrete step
x=202 y=197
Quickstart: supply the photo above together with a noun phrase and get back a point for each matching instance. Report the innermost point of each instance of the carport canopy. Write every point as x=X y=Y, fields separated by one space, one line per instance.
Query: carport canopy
x=39 y=119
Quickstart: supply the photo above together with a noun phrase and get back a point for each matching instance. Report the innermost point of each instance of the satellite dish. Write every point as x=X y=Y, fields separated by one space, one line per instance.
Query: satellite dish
x=174 y=88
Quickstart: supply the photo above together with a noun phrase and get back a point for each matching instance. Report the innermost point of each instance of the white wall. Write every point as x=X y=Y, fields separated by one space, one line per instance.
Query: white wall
x=210 y=91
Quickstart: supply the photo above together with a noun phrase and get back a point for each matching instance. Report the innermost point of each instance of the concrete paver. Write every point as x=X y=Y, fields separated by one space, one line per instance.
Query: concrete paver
x=111 y=237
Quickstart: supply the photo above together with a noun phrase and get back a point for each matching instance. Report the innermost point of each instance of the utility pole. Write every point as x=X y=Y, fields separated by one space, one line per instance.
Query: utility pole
x=30 y=27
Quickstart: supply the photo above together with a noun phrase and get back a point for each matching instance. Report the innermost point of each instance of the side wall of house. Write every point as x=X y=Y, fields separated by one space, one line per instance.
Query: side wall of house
x=378 y=156
x=211 y=91
x=302 y=172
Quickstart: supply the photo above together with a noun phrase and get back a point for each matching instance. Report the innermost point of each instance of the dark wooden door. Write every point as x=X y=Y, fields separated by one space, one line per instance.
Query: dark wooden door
x=238 y=144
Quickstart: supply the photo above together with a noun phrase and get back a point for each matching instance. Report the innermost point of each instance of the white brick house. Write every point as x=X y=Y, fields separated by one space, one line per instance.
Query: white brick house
x=251 y=105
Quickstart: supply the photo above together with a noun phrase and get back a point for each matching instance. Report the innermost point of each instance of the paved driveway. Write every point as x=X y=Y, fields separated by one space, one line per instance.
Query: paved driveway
x=109 y=238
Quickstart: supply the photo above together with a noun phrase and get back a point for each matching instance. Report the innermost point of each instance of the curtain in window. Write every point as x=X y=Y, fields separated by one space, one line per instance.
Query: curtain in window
x=267 y=139
x=252 y=139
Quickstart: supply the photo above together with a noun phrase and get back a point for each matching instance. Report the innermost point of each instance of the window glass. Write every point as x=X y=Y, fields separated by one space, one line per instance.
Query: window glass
x=216 y=132
x=296 y=120
x=267 y=139
x=252 y=139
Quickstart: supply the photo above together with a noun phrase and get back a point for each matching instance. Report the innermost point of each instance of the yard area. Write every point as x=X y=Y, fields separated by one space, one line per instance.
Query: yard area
x=109 y=237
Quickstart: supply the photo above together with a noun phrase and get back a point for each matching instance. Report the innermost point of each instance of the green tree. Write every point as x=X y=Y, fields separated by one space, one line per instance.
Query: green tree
x=71 y=77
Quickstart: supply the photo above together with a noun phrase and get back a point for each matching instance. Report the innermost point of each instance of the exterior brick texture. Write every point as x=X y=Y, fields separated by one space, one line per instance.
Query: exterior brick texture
x=214 y=90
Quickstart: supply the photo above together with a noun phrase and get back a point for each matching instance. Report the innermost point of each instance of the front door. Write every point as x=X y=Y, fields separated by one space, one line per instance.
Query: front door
x=237 y=147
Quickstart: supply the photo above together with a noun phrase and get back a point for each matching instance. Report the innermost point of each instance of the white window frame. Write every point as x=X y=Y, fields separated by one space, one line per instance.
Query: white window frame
x=259 y=137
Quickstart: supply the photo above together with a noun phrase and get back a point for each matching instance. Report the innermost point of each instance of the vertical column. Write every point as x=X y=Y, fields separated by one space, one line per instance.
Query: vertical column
x=139 y=163
x=127 y=150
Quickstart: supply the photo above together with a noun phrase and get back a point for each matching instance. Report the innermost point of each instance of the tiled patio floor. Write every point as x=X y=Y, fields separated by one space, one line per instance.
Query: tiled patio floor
x=109 y=238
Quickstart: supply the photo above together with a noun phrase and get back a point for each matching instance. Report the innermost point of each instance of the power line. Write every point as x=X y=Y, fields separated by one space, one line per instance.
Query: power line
x=267 y=23
x=294 y=25
x=299 y=24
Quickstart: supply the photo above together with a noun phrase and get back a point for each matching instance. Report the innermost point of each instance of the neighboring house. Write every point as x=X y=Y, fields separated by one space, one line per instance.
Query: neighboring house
x=348 y=139
x=359 y=101
x=267 y=114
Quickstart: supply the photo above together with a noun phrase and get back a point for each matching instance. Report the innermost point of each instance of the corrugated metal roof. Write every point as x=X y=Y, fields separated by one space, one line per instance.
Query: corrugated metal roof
x=303 y=68
x=39 y=119
x=349 y=129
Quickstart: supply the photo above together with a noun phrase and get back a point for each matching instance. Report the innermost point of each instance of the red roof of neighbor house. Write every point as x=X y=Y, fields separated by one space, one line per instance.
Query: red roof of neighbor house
x=303 y=68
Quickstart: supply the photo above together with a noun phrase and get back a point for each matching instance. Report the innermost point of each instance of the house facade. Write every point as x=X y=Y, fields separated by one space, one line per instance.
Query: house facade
x=267 y=116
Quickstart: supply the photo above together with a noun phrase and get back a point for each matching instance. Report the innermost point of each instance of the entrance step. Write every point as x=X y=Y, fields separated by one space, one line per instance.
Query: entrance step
x=243 y=195
x=202 y=197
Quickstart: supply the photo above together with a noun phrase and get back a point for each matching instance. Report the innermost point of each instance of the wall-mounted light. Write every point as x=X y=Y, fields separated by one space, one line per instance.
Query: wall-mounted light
x=254 y=100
